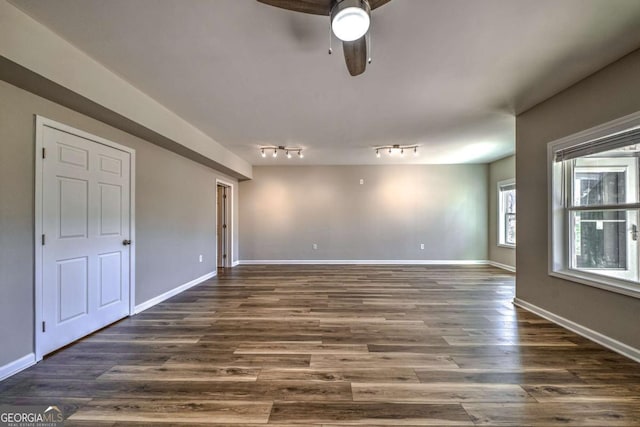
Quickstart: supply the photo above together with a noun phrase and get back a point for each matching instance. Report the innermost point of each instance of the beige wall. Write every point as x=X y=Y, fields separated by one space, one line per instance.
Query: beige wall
x=175 y=214
x=609 y=94
x=499 y=170
x=285 y=210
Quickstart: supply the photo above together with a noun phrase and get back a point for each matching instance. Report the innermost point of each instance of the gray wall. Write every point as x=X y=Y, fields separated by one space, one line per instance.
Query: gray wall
x=284 y=210
x=499 y=170
x=175 y=214
x=609 y=94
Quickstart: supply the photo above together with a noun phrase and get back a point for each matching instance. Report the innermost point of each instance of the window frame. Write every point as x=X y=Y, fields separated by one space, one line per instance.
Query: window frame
x=501 y=237
x=559 y=263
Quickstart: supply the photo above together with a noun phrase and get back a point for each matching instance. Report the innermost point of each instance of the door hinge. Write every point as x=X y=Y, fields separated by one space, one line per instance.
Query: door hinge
x=224 y=225
x=43 y=240
x=44 y=326
x=224 y=196
x=44 y=153
x=224 y=255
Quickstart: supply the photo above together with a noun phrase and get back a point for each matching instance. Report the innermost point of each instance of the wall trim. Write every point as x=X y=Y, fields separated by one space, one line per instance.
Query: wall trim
x=363 y=261
x=605 y=341
x=502 y=266
x=17 y=365
x=235 y=263
x=173 y=292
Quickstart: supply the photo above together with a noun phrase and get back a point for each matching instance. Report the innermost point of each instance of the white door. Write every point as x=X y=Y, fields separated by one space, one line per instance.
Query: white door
x=85 y=223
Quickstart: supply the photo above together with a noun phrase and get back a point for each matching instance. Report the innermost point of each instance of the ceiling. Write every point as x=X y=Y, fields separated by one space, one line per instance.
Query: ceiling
x=449 y=75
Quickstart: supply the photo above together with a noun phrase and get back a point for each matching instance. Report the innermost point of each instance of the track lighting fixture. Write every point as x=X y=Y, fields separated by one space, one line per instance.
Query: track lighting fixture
x=288 y=151
x=396 y=148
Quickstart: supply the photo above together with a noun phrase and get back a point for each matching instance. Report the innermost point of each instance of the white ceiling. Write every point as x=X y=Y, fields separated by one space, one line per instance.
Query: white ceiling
x=449 y=75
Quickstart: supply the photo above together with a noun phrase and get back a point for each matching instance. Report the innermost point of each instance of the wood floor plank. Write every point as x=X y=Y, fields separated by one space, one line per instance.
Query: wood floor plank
x=483 y=376
x=438 y=393
x=381 y=360
x=584 y=393
x=388 y=375
x=179 y=373
x=554 y=414
x=177 y=411
x=359 y=413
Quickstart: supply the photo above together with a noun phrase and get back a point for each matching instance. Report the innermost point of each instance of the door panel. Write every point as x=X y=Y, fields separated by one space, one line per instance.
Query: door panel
x=72 y=289
x=110 y=278
x=85 y=218
x=110 y=210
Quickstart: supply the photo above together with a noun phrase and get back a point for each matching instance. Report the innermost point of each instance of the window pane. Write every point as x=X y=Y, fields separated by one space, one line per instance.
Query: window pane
x=509 y=201
x=600 y=243
x=510 y=229
x=599 y=188
x=507 y=214
x=605 y=241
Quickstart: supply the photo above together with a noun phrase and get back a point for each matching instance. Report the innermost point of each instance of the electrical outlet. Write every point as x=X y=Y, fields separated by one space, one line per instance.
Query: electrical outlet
x=361 y=181
x=315 y=246
x=200 y=258
x=422 y=246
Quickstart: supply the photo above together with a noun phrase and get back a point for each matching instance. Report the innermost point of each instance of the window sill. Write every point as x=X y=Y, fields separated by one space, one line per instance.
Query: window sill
x=504 y=245
x=600 y=282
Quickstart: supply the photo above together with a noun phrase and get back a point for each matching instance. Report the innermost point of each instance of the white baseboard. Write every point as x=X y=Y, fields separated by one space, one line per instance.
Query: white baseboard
x=235 y=263
x=502 y=266
x=175 y=291
x=16 y=366
x=363 y=262
x=610 y=343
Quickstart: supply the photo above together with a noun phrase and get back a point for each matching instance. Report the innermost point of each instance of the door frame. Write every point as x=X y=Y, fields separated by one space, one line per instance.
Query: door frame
x=221 y=182
x=40 y=123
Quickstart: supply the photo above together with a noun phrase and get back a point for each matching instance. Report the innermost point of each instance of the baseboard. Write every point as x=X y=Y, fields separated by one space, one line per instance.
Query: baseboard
x=235 y=263
x=502 y=266
x=362 y=262
x=16 y=366
x=173 y=292
x=610 y=343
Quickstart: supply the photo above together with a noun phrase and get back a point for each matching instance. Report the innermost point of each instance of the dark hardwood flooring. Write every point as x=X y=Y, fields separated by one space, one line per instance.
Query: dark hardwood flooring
x=336 y=346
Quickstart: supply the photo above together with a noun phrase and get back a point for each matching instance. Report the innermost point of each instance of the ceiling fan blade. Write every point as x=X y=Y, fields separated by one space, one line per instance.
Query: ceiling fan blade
x=355 y=55
x=374 y=4
x=315 y=7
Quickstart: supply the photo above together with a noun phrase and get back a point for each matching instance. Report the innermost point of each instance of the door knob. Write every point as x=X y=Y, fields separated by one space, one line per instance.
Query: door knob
x=126 y=242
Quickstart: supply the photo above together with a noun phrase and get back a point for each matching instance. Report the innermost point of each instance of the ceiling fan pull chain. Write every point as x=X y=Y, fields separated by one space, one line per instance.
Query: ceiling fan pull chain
x=369 y=47
x=330 y=39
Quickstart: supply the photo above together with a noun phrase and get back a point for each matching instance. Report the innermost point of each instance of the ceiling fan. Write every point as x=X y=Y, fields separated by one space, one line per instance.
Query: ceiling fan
x=350 y=20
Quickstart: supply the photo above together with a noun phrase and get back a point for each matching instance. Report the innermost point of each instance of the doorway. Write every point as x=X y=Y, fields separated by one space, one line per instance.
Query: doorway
x=84 y=234
x=223 y=226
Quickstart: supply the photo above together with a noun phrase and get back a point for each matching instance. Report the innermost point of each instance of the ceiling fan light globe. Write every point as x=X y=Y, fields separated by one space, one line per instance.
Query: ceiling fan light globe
x=350 y=23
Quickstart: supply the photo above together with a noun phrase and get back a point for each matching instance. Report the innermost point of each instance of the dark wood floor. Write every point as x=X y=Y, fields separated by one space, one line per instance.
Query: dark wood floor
x=337 y=345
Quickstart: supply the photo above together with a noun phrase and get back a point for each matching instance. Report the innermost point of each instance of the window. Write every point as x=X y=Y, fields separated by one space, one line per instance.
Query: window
x=595 y=206
x=507 y=213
